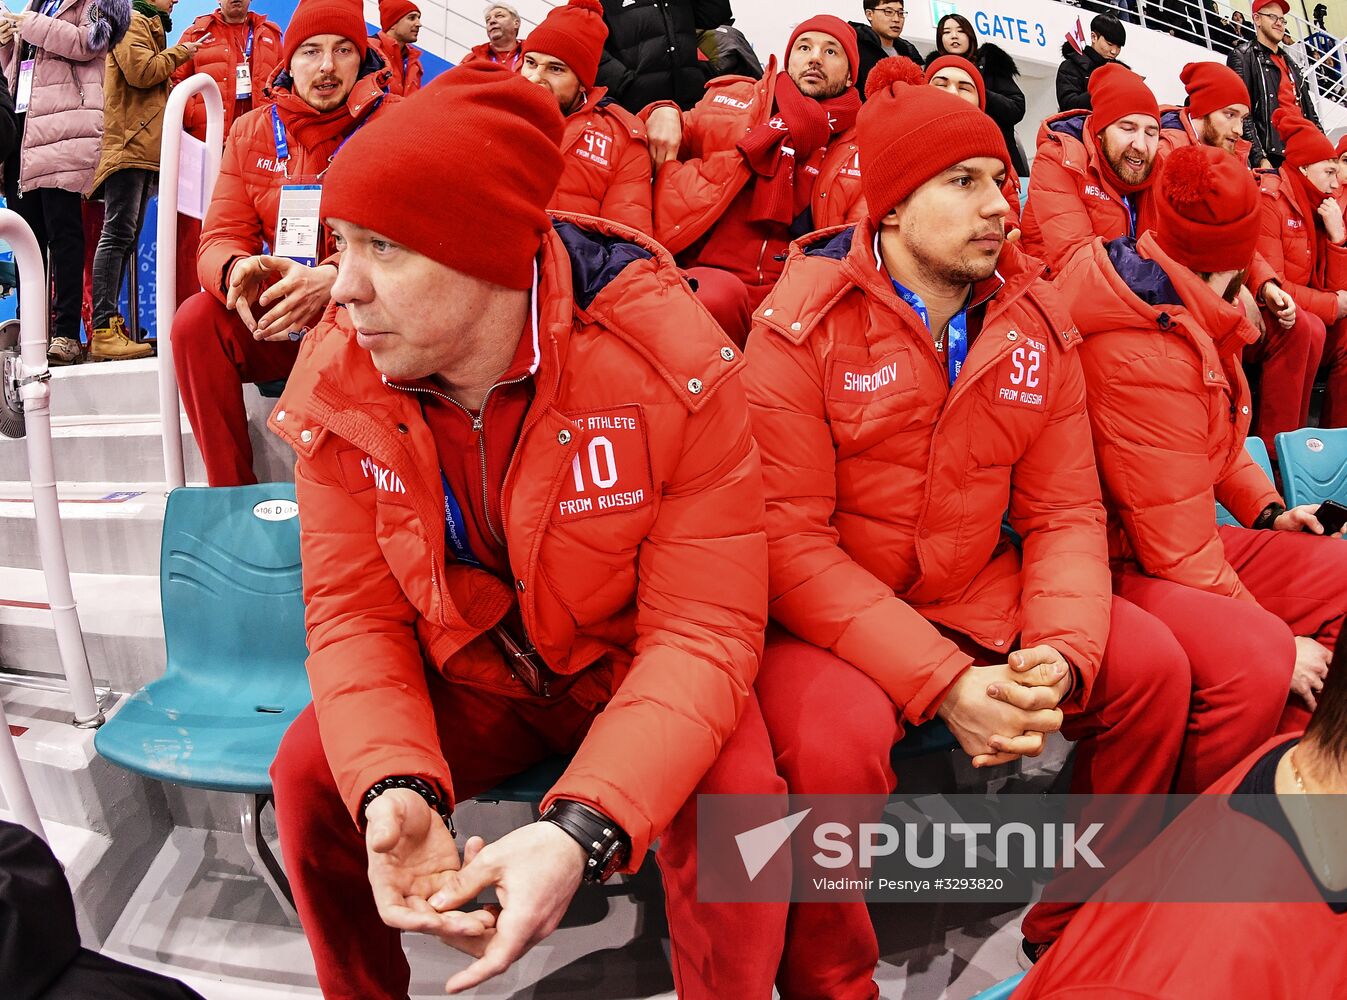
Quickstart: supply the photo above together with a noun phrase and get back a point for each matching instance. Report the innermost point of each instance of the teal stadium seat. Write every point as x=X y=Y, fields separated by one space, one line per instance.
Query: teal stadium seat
x=1255 y=447
x=1002 y=990
x=233 y=609
x=1314 y=465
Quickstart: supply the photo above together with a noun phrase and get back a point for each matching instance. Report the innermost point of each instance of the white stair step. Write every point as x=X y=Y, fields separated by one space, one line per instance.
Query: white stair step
x=109 y=527
x=119 y=614
x=122 y=387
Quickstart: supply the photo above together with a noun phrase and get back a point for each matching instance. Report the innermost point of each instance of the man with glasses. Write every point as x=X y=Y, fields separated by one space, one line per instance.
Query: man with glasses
x=881 y=37
x=1274 y=81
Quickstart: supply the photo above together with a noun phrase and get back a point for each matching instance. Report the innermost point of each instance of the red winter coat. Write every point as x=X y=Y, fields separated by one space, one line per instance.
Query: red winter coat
x=607 y=164
x=1072 y=198
x=1118 y=949
x=656 y=604
x=218 y=58
x=886 y=488
x=513 y=60
x=693 y=192
x=1169 y=407
x=1288 y=242
x=247 y=197
x=406 y=77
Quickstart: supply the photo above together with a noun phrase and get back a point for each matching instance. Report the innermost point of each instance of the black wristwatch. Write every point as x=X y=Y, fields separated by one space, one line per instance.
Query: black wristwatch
x=421 y=787
x=606 y=844
x=1267 y=518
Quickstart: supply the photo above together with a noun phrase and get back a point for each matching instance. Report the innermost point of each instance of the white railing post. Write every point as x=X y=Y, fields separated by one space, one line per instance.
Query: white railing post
x=18 y=796
x=166 y=252
x=35 y=392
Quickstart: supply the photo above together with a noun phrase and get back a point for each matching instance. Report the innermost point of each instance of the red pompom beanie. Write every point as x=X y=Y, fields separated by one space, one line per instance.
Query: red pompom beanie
x=1207 y=210
x=959 y=62
x=1212 y=87
x=1116 y=92
x=461 y=172
x=837 y=28
x=324 y=17
x=909 y=132
x=393 y=11
x=1305 y=144
x=574 y=34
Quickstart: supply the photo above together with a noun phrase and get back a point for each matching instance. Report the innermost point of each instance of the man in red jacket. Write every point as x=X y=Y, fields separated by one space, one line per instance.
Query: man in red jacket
x=256 y=304
x=1093 y=173
x=908 y=377
x=1304 y=239
x=400 y=26
x=1218 y=103
x=502 y=43
x=239 y=51
x=532 y=525
x=607 y=162
x=762 y=162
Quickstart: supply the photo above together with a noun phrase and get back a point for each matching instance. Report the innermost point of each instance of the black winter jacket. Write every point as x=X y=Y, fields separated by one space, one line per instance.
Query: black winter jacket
x=1253 y=62
x=872 y=50
x=1073 y=77
x=651 y=52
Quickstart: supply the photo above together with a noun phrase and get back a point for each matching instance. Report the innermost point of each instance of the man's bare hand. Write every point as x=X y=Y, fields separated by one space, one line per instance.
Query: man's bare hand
x=1310 y=670
x=1280 y=304
x=410 y=855
x=535 y=871
x=664 y=135
x=1331 y=212
x=1303 y=518
x=998 y=713
x=294 y=295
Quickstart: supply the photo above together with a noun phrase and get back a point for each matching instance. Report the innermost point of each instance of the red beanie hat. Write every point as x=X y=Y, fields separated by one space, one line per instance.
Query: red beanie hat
x=1212 y=87
x=393 y=11
x=574 y=34
x=1116 y=92
x=1207 y=210
x=909 y=132
x=959 y=62
x=837 y=28
x=1305 y=144
x=324 y=17
x=1340 y=148
x=461 y=172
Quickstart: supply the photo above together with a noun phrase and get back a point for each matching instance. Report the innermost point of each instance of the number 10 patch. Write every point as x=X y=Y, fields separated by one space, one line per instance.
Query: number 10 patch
x=610 y=471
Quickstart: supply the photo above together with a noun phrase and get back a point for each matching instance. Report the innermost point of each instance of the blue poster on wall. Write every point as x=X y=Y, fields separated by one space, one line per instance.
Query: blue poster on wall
x=184 y=14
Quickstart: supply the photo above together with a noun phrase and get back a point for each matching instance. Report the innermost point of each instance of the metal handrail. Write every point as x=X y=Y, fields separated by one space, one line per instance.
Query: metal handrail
x=35 y=392
x=166 y=252
x=18 y=796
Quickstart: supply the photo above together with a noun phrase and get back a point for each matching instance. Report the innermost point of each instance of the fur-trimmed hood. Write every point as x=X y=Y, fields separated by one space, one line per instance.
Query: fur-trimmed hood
x=996 y=61
x=108 y=22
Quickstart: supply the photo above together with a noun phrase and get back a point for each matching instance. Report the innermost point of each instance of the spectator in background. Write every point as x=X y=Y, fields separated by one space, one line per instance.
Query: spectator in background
x=607 y=164
x=954 y=36
x=651 y=53
x=1274 y=81
x=135 y=90
x=1107 y=38
x=239 y=50
x=1340 y=161
x=1094 y=172
x=880 y=36
x=730 y=208
x=502 y=38
x=400 y=21
x=60 y=132
x=240 y=328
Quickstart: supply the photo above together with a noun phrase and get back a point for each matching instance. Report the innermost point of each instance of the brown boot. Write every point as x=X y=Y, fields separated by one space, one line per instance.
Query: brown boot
x=110 y=343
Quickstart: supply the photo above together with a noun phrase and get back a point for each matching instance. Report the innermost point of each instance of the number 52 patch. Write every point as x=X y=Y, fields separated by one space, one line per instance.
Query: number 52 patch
x=1022 y=378
x=610 y=471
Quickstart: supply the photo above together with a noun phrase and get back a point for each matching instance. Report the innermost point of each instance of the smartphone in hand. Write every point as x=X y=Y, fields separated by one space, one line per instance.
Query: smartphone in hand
x=1332 y=515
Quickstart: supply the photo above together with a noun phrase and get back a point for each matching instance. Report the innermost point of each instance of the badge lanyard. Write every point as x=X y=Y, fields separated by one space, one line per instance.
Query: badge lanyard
x=23 y=88
x=243 y=72
x=956 y=338
x=456 y=527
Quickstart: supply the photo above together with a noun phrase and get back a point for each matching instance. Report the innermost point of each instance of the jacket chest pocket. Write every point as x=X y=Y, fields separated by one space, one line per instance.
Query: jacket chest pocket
x=867 y=396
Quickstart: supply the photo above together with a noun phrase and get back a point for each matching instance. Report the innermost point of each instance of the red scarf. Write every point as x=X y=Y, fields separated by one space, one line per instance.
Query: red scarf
x=803 y=126
x=312 y=129
x=1308 y=198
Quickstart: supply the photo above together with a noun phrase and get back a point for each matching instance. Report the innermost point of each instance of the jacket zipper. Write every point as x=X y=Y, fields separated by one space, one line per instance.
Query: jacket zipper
x=478 y=423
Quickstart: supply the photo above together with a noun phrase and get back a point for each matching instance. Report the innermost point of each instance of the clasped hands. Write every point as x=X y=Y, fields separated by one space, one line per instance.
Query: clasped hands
x=421 y=885
x=289 y=296
x=1004 y=711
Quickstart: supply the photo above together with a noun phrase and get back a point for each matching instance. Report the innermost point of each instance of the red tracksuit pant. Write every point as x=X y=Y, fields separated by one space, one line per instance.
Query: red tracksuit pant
x=718 y=950
x=832 y=729
x=214 y=354
x=1289 y=360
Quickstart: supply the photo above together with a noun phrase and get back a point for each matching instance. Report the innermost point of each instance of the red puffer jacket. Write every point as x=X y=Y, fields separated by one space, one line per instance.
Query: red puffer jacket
x=693 y=192
x=607 y=164
x=1072 y=198
x=648 y=581
x=1288 y=243
x=886 y=488
x=247 y=196
x=218 y=59
x=406 y=78
x=1169 y=406
x=1116 y=948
